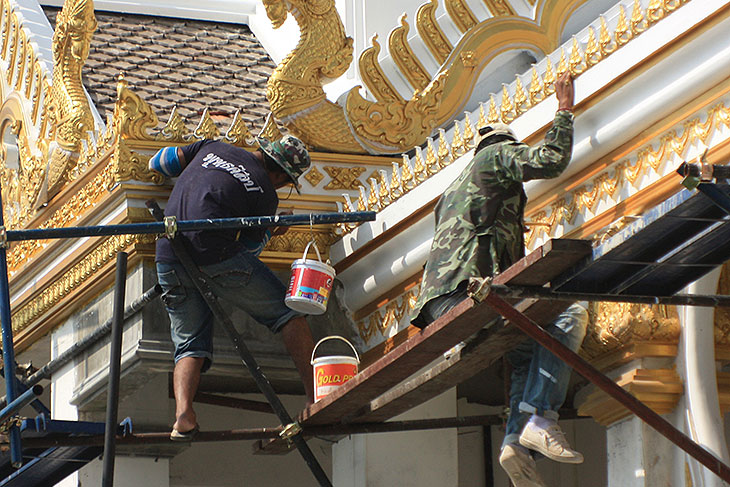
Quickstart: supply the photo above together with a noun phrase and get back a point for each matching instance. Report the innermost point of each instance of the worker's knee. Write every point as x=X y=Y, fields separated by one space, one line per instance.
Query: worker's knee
x=573 y=322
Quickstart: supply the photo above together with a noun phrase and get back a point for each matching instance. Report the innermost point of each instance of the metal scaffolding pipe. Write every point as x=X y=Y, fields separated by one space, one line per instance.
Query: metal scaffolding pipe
x=524 y=292
x=89 y=340
x=264 y=433
x=646 y=414
x=189 y=225
x=115 y=367
x=22 y=400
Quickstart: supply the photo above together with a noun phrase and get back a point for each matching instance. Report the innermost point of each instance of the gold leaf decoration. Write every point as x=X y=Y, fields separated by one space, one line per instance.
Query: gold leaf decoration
x=461 y=14
x=174 y=130
x=313 y=176
x=206 y=129
x=343 y=177
x=405 y=58
x=238 y=133
x=431 y=32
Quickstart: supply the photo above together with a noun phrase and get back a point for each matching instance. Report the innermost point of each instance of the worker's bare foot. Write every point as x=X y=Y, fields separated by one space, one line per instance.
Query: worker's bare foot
x=185 y=422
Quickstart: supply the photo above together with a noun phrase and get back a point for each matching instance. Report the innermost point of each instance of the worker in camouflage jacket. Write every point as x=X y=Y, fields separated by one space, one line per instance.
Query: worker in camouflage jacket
x=480 y=233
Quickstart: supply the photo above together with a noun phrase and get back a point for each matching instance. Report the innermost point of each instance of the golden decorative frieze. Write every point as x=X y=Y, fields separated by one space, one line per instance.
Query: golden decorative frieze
x=543 y=223
x=296 y=239
x=431 y=33
x=313 y=176
x=390 y=315
x=405 y=58
x=343 y=177
x=614 y=325
x=75 y=277
x=206 y=129
x=461 y=14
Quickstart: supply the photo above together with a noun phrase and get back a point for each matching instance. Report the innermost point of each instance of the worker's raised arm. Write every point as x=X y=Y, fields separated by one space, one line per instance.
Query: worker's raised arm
x=169 y=161
x=549 y=159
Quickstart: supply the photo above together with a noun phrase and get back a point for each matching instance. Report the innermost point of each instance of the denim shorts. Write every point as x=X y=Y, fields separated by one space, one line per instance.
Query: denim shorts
x=243 y=280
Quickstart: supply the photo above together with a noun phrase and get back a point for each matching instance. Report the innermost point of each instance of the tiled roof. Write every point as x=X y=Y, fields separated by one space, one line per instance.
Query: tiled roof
x=188 y=63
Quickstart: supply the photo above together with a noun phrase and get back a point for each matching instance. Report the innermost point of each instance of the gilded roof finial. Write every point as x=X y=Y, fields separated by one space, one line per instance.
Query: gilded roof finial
x=604 y=40
x=638 y=25
x=419 y=167
x=407 y=177
x=593 y=51
x=576 y=59
x=174 y=130
x=457 y=144
x=492 y=116
x=535 y=87
x=623 y=32
x=549 y=78
x=655 y=11
x=444 y=151
x=384 y=189
x=432 y=159
x=396 y=185
x=362 y=201
x=521 y=100
x=206 y=129
x=374 y=203
x=482 y=122
x=468 y=133
x=507 y=107
x=238 y=133
x=562 y=64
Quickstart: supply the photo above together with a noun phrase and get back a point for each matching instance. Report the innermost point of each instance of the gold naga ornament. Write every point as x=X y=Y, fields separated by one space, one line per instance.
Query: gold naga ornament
x=392 y=124
x=69 y=111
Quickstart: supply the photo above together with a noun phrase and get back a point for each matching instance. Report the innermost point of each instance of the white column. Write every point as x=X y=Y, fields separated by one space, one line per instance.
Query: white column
x=696 y=366
x=638 y=456
x=408 y=459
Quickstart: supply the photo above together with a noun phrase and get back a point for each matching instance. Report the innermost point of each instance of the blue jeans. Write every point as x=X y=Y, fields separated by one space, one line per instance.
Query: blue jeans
x=539 y=380
x=243 y=280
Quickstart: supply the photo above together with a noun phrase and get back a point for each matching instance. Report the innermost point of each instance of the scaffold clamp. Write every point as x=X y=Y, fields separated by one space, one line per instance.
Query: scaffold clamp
x=290 y=431
x=170 y=226
x=479 y=288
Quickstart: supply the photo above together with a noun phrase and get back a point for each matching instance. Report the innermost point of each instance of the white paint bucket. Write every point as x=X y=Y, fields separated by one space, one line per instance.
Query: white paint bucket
x=330 y=372
x=310 y=284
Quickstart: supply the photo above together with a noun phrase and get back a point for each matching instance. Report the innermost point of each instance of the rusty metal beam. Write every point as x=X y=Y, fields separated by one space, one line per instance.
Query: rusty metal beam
x=585 y=369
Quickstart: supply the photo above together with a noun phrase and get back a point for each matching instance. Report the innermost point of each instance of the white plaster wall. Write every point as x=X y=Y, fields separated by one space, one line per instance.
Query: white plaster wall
x=406 y=459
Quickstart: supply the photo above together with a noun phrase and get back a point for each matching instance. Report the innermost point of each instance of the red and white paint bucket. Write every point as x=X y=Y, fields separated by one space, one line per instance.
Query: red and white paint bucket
x=330 y=372
x=310 y=284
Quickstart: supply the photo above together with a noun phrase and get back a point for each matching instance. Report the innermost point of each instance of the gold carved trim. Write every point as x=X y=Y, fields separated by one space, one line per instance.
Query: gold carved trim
x=74 y=278
x=314 y=176
x=431 y=33
x=543 y=221
x=373 y=75
x=405 y=58
x=388 y=316
x=461 y=14
x=500 y=7
x=660 y=389
x=343 y=177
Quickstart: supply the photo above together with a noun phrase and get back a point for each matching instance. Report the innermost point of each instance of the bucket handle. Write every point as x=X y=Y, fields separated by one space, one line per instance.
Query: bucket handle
x=334 y=337
x=306 y=251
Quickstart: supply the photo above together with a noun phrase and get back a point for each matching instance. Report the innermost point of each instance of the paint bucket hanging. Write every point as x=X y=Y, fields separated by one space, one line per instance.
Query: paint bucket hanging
x=331 y=371
x=310 y=284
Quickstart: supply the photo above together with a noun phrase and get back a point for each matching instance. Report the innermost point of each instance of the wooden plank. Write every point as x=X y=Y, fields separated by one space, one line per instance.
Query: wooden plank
x=427 y=345
x=488 y=346
x=545 y=263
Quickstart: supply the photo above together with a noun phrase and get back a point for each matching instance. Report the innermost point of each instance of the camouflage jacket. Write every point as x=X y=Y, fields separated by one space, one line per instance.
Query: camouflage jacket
x=479 y=219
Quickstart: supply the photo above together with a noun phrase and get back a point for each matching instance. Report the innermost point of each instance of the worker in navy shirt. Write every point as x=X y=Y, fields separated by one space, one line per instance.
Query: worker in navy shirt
x=218 y=180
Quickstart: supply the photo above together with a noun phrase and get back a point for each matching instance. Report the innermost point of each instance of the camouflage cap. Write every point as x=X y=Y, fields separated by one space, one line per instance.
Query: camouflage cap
x=289 y=153
x=495 y=129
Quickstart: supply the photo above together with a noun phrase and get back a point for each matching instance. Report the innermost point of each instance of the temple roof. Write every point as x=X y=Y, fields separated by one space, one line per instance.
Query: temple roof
x=188 y=63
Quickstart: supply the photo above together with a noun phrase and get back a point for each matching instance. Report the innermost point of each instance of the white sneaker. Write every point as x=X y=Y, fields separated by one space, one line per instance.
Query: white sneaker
x=550 y=442
x=520 y=467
